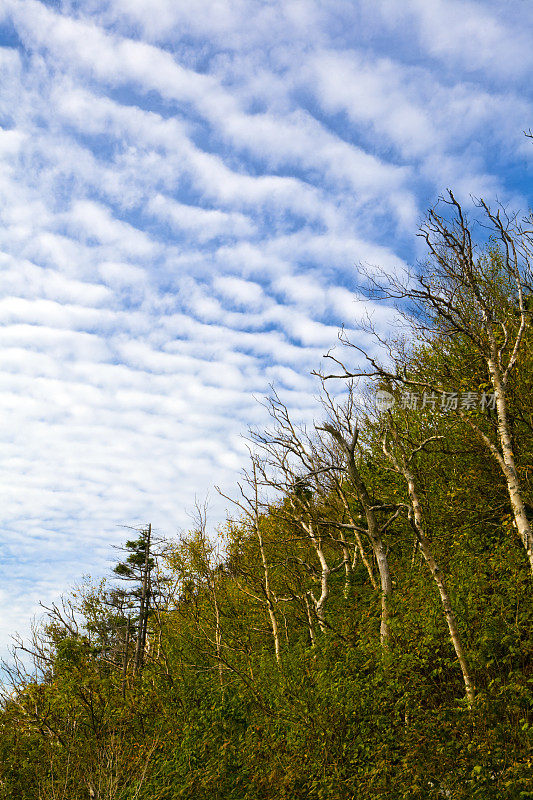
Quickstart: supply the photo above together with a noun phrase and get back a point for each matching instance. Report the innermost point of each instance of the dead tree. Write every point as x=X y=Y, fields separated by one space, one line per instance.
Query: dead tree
x=348 y=446
x=481 y=296
x=306 y=468
x=250 y=506
x=212 y=570
x=294 y=468
x=401 y=457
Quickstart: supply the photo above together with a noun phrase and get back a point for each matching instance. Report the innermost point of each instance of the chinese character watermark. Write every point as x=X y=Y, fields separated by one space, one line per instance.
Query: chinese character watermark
x=443 y=401
x=384 y=400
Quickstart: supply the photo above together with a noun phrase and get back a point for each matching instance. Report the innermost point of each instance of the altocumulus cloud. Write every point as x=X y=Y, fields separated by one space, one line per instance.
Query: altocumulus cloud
x=186 y=189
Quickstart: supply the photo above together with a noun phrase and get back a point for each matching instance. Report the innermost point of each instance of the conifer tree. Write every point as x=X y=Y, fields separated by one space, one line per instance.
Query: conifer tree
x=137 y=569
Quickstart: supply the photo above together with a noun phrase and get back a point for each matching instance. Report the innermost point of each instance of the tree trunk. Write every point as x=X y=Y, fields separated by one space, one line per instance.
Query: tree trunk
x=144 y=606
x=357 y=538
x=347 y=566
x=374 y=532
x=218 y=631
x=507 y=463
x=425 y=546
x=125 y=660
x=310 y=622
x=443 y=591
x=268 y=594
x=378 y=547
x=320 y=603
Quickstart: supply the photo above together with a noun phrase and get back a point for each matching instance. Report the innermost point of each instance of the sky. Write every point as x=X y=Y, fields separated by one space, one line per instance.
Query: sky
x=188 y=193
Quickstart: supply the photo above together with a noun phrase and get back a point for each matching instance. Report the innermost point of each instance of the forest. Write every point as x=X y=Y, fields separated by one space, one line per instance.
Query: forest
x=361 y=625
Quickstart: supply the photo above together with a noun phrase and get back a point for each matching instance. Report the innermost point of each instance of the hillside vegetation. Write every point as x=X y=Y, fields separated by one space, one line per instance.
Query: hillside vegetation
x=362 y=626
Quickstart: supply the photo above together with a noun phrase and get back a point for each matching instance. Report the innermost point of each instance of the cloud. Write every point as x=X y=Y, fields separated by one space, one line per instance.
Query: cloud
x=203 y=223
x=243 y=293
x=294 y=138
x=469 y=34
x=91 y=221
x=187 y=193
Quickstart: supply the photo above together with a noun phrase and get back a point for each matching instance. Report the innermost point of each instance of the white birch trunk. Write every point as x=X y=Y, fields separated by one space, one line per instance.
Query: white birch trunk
x=402 y=467
x=347 y=566
x=268 y=595
x=374 y=532
x=507 y=462
x=360 y=549
x=270 y=603
x=320 y=602
x=378 y=546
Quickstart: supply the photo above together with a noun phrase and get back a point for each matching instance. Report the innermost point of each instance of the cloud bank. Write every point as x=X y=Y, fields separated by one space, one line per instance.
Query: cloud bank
x=186 y=192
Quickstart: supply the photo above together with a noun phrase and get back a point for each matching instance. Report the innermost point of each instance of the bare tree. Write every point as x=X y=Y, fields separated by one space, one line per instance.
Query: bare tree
x=481 y=296
x=294 y=467
x=310 y=469
x=401 y=454
x=211 y=567
x=250 y=506
x=342 y=427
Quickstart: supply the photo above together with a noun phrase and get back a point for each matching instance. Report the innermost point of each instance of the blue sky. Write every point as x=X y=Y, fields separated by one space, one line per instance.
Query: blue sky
x=187 y=189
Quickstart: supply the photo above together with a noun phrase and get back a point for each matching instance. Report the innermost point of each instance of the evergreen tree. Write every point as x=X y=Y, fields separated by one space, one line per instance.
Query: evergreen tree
x=138 y=569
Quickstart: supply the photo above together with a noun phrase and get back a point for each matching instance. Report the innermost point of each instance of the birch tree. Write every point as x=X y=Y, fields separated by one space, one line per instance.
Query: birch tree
x=347 y=445
x=402 y=455
x=294 y=467
x=477 y=298
x=250 y=507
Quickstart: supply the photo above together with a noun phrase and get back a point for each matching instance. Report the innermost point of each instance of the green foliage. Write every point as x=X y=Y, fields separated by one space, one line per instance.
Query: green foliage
x=214 y=716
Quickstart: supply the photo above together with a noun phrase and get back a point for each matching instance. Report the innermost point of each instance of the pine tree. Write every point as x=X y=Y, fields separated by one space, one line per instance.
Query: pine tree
x=137 y=569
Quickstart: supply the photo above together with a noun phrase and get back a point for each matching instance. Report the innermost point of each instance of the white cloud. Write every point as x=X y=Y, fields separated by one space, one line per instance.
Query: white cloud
x=186 y=192
x=93 y=221
x=243 y=293
x=294 y=138
x=120 y=274
x=203 y=223
x=470 y=34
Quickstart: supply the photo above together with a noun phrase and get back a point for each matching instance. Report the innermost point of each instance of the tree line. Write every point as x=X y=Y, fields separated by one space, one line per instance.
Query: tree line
x=361 y=625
